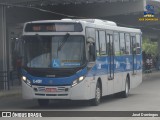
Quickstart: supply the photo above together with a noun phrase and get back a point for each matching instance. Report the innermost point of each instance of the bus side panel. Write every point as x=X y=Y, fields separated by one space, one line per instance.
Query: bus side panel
x=82 y=90
x=135 y=80
x=119 y=80
x=93 y=87
x=27 y=92
x=104 y=80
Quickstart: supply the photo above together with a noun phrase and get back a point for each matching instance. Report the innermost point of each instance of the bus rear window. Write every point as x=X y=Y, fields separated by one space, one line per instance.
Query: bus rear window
x=53 y=27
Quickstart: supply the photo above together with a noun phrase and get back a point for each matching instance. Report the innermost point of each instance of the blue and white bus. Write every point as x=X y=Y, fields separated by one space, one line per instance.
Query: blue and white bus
x=79 y=59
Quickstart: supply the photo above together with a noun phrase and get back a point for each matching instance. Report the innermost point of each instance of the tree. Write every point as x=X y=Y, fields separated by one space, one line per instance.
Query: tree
x=149 y=47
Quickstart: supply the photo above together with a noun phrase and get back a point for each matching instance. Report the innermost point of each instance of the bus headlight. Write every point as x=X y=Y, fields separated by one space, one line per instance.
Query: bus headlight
x=28 y=82
x=81 y=78
x=75 y=82
x=24 y=78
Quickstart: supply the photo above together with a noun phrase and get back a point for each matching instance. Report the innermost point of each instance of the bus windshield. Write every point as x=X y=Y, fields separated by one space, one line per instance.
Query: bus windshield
x=66 y=51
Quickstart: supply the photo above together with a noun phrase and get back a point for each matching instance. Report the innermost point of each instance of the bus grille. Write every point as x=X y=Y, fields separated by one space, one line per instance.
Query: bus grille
x=51 y=94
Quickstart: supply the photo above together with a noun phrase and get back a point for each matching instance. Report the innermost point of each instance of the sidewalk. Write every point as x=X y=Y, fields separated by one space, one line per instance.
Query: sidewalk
x=15 y=90
x=149 y=76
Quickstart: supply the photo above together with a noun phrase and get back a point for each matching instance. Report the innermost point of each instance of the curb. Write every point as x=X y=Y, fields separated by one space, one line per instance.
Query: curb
x=10 y=93
x=150 y=76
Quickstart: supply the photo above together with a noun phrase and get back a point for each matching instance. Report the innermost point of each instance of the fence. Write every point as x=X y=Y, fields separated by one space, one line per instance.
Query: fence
x=4 y=81
x=8 y=79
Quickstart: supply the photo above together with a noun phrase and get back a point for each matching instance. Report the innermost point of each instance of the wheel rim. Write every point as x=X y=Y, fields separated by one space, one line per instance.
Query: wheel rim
x=127 y=89
x=98 y=94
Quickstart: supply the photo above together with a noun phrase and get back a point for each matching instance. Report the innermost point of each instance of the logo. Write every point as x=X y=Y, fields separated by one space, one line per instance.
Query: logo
x=6 y=114
x=150 y=11
x=149 y=14
x=20 y=115
x=56 y=63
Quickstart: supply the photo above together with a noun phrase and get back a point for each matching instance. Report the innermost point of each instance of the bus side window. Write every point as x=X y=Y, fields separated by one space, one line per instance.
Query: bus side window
x=102 y=42
x=91 y=38
x=138 y=44
x=91 y=51
x=97 y=44
x=133 y=44
x=122 y=44
x=116 y=44
x=127 y=38
x=90 y=33
x=110 y=45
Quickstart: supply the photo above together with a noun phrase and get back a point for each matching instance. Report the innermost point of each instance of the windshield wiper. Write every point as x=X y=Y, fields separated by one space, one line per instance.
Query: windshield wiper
x=63 y=41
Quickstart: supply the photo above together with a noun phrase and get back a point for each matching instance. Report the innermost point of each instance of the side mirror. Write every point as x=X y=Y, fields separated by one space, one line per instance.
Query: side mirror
x=90 y=39
x=92 y=50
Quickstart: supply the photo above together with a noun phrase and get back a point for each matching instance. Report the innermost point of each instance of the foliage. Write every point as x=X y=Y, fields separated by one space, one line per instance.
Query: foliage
x=150 y=47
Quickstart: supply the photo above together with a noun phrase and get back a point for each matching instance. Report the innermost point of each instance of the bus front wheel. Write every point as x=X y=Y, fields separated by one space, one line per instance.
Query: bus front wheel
x=96 y=100
x=43 y=102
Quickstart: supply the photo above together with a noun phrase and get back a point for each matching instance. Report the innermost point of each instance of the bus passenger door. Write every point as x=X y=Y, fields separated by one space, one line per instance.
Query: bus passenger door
x=110 y=52
x=133 y=51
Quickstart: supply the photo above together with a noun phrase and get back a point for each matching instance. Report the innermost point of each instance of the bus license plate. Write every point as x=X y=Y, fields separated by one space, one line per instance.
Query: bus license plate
x=50 y=90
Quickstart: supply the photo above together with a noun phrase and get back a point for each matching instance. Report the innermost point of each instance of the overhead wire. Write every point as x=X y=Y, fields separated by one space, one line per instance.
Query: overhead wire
x=42 y=10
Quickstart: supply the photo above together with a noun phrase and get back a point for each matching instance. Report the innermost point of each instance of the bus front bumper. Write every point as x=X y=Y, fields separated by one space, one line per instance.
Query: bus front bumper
x=79 y=92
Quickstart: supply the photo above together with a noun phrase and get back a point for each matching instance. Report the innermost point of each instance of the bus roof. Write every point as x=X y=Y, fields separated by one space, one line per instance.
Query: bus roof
x=96 y=23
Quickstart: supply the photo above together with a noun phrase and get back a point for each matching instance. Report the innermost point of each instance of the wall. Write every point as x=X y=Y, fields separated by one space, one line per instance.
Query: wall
x=3 y=52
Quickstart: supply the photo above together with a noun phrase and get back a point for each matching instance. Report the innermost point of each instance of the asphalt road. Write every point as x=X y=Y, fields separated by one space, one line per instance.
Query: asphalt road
x=146 y=97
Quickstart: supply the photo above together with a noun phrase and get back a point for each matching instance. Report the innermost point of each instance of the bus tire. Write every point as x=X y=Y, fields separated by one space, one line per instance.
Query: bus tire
x=125 y=93
x=43 y=102
x=96 y=101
